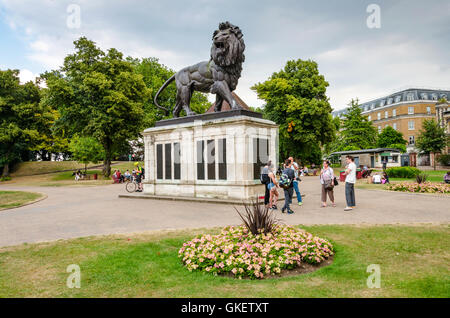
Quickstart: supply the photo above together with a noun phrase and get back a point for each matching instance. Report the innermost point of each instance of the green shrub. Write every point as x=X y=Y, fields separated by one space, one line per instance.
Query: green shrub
x=402 y=172
x=444 y=160
x=5 y=178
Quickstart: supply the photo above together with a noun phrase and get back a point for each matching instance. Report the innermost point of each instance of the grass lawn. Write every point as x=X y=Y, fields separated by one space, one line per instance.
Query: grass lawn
x=12 y=199
x=413 y=260
x=57 y=179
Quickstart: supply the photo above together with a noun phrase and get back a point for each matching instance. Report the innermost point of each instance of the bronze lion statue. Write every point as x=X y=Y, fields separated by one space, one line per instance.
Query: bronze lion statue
x=218 y=76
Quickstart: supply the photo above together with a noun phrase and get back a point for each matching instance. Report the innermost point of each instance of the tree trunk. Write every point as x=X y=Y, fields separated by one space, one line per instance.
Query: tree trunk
x=107 y=167
x=434 y=161
x=107 y=160
x=5 y=170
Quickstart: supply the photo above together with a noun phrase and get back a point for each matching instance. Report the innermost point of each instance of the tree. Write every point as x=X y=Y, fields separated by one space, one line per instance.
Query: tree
x=357 y=131
x=86 y=150
x=391 y=138
x=296 y=100
x=431 y=139
x=22 y=118
x=154 y=75
x=98 y=94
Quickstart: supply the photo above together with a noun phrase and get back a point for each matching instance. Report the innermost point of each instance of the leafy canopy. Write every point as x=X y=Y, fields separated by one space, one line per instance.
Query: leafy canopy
x=357 y=131
x=296 y=100
x=22 y=117
x=98 y=94
x=391 y=138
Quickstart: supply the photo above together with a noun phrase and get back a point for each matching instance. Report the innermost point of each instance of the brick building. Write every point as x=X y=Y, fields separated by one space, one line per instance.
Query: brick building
x=405 y=111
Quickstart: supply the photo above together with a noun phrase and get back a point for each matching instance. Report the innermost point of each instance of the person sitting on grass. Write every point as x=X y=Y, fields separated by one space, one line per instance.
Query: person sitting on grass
x=127 y=175
x=377 y=179
x=385 y=178
x=447 y=177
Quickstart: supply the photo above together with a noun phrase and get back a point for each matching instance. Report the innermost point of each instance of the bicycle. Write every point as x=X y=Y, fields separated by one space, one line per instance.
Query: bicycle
x=131 y=185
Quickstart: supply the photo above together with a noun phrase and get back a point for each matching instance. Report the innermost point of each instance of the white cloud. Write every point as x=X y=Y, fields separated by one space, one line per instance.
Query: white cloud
x=27 y=75
x=356 y=61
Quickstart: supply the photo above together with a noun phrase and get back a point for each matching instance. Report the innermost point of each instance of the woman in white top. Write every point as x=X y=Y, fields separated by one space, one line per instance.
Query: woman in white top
x=327 y=182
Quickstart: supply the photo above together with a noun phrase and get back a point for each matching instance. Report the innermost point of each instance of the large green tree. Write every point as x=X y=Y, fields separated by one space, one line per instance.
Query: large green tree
x=98 y=94
x=22 y=118
x=357 y=131
x=431 y=139
x=154 y=75
x=391 y=138
x=86 y=150
x=296 y=100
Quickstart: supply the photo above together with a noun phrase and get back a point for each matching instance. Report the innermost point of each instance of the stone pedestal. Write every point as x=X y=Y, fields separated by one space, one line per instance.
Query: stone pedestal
x=215 y=155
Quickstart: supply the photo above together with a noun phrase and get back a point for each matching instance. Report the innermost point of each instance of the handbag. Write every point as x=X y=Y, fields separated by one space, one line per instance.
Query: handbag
x=329 y=184
x=335 y=181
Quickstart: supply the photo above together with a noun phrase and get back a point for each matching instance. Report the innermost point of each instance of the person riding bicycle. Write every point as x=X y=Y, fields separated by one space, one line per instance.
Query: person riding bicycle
x=139 y=175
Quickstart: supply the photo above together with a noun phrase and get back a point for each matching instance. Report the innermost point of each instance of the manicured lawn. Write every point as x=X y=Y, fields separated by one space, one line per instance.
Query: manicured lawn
x=12 y=199
x=413 y=260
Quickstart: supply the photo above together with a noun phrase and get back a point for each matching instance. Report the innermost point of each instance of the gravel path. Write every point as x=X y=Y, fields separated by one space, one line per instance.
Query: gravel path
x=71 y=212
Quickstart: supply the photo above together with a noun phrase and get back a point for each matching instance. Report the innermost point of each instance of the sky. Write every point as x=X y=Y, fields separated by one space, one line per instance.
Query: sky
x=362 y=54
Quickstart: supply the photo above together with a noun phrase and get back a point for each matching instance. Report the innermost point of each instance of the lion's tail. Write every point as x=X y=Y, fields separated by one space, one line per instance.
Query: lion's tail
x=170 y=80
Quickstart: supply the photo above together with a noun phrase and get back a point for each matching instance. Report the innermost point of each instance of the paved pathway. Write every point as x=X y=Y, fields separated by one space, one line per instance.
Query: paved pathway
x=70 y=212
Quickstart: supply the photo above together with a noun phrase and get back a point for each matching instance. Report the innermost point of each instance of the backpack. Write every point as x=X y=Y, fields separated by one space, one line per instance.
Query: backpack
x=264 y=178
x=285 y=181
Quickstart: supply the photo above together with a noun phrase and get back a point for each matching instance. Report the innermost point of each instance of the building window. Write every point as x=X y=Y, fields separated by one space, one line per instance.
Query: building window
x=411 y=125
x=382 y=103
x=379 y=116
x=369 y=118
x=434 y=96
x=372 y=106
x=410 y=97
x=390 y=100
x=176 y=161
x=222 y=159
x=428 y=110
x=260 y=155
x=386 y=114
x=423 y=96
x=394 y=158
x=379 y=129
x=410 y=110
x=164 y=164
x=398 y=99
x=159 y=161
x=394 y=112
x=201 y=160
x=209 y=158
x=411 y=140
x=394 y=125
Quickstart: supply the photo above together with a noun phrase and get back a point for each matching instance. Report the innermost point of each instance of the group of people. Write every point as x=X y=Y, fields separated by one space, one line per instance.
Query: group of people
x=137 y=174
x=289 y=179
x=380 y=178
x=78 y=175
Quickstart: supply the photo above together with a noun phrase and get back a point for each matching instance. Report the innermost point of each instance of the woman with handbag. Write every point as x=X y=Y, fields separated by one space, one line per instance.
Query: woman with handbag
x=327 y=182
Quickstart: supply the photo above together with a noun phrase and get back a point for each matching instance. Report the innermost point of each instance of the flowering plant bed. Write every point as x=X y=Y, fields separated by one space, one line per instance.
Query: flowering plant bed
x=426 y=187
x=238 y=252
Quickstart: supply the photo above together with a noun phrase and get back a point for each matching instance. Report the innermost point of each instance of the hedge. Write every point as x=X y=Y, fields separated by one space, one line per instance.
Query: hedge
x=402 y=172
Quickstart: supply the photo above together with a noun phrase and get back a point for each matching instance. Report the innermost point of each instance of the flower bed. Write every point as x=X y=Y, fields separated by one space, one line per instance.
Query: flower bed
x=426 y=187
x=236 y=250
